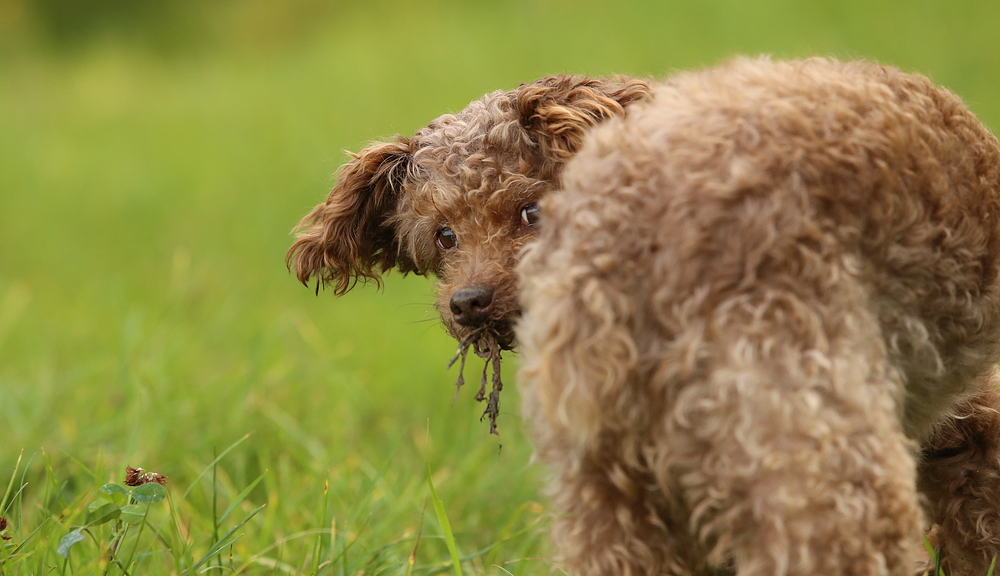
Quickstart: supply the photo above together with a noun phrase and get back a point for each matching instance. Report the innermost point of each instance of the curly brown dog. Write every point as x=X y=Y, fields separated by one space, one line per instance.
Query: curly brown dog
x=762 y=317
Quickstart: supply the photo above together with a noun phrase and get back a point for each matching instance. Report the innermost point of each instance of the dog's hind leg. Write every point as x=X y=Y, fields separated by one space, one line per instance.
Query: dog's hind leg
x=788 y=447
x=960 y=475
x=609 y=523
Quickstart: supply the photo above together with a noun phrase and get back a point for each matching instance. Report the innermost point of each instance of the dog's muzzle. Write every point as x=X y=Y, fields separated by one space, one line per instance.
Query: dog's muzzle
x=476 y=308
x=472 y=306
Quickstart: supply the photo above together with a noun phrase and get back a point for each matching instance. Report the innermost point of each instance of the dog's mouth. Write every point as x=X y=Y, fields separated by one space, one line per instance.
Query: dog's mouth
x=487 y=341
x=503 y=333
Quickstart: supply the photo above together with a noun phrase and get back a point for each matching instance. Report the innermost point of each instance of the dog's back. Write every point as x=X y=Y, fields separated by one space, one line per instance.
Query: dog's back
x=762 y=174
x=756 y=292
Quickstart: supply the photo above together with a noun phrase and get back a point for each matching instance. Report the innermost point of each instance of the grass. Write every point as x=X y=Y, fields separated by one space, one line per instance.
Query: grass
x=147 y=320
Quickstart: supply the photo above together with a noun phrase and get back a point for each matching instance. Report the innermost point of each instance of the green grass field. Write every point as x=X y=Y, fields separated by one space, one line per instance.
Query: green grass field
x=150 y=173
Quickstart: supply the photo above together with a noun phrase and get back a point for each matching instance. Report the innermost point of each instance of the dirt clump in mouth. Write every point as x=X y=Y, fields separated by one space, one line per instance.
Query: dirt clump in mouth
x=484 y=343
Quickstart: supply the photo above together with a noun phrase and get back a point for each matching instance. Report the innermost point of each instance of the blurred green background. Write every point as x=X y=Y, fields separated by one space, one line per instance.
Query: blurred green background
x=154 y=157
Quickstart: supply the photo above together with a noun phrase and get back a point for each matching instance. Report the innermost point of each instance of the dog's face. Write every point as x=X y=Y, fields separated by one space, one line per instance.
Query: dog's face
x=458 y=199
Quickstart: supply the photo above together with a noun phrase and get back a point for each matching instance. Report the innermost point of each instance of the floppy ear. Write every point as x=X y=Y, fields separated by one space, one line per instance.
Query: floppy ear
x=349 y=237
x=558 y=110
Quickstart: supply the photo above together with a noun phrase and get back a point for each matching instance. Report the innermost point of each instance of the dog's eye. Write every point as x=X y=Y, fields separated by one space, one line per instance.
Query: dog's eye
x=530 y=215
x=446 y=239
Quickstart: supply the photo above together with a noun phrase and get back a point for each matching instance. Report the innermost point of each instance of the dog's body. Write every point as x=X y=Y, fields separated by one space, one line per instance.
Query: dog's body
x=752 y=299
x=757 y=298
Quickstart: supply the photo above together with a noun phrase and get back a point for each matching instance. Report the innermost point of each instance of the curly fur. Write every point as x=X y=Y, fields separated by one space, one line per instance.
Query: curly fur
x=472 y=172
x=764 y=309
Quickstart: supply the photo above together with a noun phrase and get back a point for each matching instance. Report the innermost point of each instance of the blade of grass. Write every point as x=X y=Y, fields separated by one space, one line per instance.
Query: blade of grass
x=505 y=533
x=93 y=475
x=367 y=557
x=20 y=490
x=442 y=518
x=240 y=498
x=213 y=463
x=52 y=484
x=10 y=484
x=215 y=501
x=931 y=555
x=482 y=552
x=13 y=553
x=317 y=553
x=224 y=541
x=261 y=554
x=183 y=545
x=420 y=530
x=342 y=555
x=135 y=543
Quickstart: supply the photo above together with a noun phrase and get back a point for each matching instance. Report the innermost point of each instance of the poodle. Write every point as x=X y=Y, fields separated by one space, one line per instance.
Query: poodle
x=760 y=326
x=458 y=200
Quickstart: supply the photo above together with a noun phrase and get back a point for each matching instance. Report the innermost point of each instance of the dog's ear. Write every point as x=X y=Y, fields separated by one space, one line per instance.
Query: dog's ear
x=558 y=110
x=350 y=237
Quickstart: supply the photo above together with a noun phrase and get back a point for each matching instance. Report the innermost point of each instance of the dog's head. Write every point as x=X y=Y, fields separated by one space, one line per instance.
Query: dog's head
x=458 y=199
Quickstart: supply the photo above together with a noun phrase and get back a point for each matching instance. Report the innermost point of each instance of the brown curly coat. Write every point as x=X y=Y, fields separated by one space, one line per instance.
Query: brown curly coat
x=764 y=310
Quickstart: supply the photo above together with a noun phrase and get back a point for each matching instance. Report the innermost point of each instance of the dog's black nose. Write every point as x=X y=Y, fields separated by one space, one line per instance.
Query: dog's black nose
x=471 y=306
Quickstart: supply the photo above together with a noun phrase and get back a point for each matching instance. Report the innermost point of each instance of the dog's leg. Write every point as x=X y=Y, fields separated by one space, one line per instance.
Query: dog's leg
x=793 y=462
x=960 y=475
x=610 y=520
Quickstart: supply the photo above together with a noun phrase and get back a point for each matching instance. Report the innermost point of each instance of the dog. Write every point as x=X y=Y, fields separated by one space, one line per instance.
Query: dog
x=458 y=200
x=761 y=321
